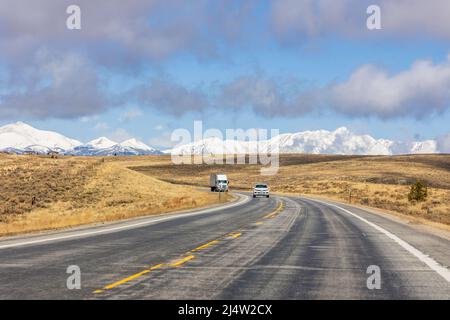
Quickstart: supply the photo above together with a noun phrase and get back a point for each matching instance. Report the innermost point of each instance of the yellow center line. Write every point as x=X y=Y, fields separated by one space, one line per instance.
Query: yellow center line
x=182 y=261
x=209 y=244
x=177 y=263
x=156 y=267
x=118 y=283
x=235 y=235
x=273 y=213
x=127 y=279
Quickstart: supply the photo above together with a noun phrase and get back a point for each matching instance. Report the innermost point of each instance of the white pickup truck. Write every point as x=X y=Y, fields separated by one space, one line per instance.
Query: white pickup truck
x=261 y=190
x=218 y=182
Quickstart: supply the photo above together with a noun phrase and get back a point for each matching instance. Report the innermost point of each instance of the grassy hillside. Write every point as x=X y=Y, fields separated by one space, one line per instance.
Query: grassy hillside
x=39 y=193
x=380 y=182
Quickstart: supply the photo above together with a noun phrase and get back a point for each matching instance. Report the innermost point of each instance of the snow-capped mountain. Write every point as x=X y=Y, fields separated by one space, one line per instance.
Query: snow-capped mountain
x=21 y=136
x=101 y=143
x=340 y=141
x=105 y=147
x=128 y=147
x=93 y=147
x=135 y=144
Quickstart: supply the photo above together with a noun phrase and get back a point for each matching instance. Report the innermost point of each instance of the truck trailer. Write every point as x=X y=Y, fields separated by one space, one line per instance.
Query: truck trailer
x=218 y=182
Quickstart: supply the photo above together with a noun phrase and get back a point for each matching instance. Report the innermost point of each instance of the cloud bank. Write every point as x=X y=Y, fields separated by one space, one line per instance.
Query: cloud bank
x=292 y=18
x=48 y=71
x=58 y=86
x=422 y=90
x=418 y=92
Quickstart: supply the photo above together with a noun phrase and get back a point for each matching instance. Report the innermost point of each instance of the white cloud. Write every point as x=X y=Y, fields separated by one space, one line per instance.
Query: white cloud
x=417 y=17
x=53 y=85
x=314 y=17
x=267 y=96
x=120 y=135
x=170 y=97
x=443 y=143
x=141 y=30
x=163 y=140
x=87 y=119
x=101 y=126
x=422 y=90
x=130 y=115
x=158 y=127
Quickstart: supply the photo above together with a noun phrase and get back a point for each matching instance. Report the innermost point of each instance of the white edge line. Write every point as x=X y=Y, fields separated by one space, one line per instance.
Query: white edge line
x=243 y=200
x=430 y=262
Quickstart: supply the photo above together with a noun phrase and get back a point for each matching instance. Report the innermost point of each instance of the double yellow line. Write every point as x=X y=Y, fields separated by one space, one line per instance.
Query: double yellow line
x=190 y=256
x=174 y=264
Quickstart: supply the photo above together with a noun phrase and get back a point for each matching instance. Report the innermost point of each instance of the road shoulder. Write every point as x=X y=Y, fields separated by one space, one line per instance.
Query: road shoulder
x=115 y=226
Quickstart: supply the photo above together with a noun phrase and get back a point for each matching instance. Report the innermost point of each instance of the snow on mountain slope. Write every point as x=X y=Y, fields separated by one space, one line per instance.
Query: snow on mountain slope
x=340 y=141
x=93 y=147
x=101 y=143
x=135 y=144
x=128 y=147
x=105 y=147
x=216 y=146
x=20 y=136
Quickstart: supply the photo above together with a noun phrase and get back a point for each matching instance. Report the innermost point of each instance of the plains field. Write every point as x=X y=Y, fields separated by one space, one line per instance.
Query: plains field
x=42 y=193
x=381 y=182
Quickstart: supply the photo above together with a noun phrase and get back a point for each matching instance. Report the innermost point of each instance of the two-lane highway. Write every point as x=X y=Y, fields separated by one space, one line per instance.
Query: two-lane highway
x=276 y=248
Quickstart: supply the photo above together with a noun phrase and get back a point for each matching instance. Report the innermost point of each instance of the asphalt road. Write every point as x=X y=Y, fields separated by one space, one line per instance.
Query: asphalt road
x=276 y=248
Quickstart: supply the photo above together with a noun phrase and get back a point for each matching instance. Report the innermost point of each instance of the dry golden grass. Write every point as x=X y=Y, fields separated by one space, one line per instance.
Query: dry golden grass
x=29 y=183
x=379 y=182
x=40 y=193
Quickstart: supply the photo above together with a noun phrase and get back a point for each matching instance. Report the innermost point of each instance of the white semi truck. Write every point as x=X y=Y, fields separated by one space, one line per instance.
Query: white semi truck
x=218 y=182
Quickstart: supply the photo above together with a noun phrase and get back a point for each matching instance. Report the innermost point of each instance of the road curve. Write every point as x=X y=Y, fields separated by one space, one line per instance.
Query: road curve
x=276 y=248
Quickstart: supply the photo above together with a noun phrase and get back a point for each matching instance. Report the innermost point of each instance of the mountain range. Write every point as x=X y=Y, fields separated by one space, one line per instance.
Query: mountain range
x=340 y=141
x=20 y=137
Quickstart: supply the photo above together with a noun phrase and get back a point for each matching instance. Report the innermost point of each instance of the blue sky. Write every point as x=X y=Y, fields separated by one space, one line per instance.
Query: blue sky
x=146 y=68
